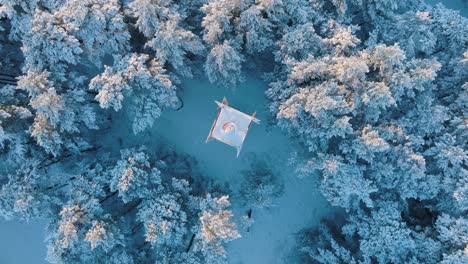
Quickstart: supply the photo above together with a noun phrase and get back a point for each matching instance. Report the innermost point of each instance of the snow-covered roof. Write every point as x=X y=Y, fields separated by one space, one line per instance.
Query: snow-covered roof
x=231 y=126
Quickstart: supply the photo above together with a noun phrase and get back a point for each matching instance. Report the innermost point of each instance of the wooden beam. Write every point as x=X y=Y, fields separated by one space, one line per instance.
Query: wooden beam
x=238 y=151
x=213 y=126
x=255 y=119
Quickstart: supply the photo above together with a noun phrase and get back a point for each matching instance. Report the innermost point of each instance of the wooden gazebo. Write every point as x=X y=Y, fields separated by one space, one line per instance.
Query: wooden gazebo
x=231 y=126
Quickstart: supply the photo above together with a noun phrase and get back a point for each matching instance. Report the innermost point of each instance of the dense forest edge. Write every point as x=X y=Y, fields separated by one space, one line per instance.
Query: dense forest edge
x=372 y=95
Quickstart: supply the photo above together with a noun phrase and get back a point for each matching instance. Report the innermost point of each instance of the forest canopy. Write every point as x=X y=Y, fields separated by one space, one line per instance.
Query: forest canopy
x=374 y=94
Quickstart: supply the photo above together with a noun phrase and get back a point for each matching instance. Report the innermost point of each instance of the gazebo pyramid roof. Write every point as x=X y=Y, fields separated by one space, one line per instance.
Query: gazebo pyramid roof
x=231 y=125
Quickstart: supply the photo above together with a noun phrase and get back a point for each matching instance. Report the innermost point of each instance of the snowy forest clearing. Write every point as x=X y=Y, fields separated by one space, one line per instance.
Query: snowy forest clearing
x=272 y=235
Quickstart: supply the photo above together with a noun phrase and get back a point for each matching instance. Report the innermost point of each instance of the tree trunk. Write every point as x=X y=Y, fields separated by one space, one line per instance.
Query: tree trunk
x=8 y=79
x=190 y=243
x=67 y=155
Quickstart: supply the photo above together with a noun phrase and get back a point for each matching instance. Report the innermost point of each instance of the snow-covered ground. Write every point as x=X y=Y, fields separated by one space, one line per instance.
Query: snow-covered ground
x=22 y=243
x=461 y=5
x=301 y=205
x=272 y=236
